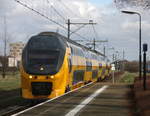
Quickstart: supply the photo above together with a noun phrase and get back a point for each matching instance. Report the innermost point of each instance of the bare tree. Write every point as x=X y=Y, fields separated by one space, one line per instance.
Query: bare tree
x=4 y=59
x=145 y=4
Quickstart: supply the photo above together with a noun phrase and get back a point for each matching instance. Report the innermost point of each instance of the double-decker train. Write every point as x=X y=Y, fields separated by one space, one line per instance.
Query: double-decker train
x=52 y=65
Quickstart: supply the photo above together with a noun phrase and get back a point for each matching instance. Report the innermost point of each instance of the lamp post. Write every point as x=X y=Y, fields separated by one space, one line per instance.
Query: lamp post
x=140 y=62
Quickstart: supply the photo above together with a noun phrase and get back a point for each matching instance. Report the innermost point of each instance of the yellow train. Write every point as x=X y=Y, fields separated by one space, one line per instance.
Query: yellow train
x=52 y=65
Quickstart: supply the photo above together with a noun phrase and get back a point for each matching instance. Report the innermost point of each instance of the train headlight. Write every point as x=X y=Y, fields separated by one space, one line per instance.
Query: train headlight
x=52 y=77
x=30 y=76
x=41 y=68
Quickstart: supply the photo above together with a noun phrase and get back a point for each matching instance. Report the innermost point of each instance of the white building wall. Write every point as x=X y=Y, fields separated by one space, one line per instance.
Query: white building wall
x=15 y=52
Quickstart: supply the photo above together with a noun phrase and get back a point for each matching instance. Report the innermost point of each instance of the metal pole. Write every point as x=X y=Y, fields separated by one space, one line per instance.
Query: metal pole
x=123 y=54
x=113 y=77
x=113 y=58
x=144 y=70
x=144 y=65
x=5 y=43
x=94 y=43
x=68 y=28
x=69 y=23
x=140 y=56
x=123 y=60
x=104 y=50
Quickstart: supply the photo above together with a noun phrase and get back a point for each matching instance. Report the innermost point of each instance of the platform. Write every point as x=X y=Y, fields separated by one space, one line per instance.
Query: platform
x=112 y=100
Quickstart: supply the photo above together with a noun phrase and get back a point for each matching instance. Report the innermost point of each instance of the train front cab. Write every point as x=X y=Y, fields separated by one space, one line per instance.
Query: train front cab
x=38 y=79
x=44 y=86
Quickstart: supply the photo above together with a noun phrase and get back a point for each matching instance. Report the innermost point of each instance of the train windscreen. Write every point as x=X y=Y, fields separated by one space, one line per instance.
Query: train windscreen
x=44 y=55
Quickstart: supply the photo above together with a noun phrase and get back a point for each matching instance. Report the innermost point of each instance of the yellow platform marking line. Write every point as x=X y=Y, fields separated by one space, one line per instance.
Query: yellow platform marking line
x=49 y=100
x=74 y=111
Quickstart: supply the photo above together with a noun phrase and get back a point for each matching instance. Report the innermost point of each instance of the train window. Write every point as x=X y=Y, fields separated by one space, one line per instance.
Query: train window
x=88 y=66
x=100 y=65
x=71 y=50
x=88 y=55
x=77 y=52
x=78 y=76
x=94 y=73
x=83 y=52
x=106 y=66
x=70 y=65
x=45 y=57
x=80 y=53
x=94 y=56
x=98 y=58
x=43 y=43
x=74 y=51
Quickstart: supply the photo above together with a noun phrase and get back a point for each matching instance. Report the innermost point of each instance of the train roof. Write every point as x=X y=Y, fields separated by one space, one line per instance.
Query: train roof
x=70 y=41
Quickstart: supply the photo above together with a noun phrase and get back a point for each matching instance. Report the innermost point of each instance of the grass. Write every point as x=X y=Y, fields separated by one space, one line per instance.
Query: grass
x=10 y=91
x=10 y=82
x=128 y=78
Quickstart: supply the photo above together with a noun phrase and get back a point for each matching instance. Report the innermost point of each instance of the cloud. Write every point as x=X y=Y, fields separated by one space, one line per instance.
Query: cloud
x=130 y=25
x=121 y=30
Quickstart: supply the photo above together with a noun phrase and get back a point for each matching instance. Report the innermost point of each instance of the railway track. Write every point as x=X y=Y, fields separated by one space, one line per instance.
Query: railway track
x=11 y=110
x=14 y=109
x=17 y=108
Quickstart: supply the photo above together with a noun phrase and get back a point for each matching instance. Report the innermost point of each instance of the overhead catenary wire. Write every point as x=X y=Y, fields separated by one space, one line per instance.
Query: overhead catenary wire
x=40 y=14
x=63 y=10
x=77 y=29
x=56 y=11
x=62 y=26
x=68 y=9
x=94 y=30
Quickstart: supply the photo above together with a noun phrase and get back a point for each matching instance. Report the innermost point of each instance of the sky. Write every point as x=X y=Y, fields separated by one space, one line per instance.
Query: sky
x=121 y=30
x=101 y=2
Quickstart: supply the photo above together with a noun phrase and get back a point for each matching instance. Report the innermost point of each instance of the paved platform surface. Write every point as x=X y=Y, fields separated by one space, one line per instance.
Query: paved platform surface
x=116 y=100
x=142 y=96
